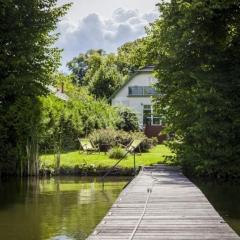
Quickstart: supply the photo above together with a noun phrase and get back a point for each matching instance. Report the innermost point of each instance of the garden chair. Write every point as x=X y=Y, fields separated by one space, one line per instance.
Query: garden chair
x=87 y=146
x=131 y=147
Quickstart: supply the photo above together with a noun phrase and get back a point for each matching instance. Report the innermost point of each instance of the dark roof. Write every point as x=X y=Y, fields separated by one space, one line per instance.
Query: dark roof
x=146 y=69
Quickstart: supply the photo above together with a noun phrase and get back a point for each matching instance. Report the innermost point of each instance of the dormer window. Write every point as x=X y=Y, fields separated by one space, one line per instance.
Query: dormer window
x=141 y=91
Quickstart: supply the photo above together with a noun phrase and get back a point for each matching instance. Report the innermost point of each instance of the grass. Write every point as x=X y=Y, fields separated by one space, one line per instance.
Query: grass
x=71 y=159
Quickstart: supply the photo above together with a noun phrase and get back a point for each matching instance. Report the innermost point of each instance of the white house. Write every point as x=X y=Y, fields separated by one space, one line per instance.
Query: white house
x=137 y=94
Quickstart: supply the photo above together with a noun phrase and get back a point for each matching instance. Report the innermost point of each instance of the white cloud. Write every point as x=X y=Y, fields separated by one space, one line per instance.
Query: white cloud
x=93 y=31
x=122 y=15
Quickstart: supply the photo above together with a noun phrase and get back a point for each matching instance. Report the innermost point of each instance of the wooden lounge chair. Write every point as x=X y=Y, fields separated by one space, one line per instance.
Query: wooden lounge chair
x=87 y=146
x=131 y=147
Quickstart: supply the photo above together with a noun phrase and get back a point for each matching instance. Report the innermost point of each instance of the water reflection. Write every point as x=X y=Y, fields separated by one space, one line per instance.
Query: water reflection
x=70 y=208
x=56 y=209
x=225 y=197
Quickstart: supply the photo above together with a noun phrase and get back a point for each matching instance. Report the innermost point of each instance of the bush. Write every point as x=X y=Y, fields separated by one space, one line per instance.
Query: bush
x=63 y=122
x=111 y=138
x=201 y=106
x=105 y=138
x=128 y=119
x=117 y=153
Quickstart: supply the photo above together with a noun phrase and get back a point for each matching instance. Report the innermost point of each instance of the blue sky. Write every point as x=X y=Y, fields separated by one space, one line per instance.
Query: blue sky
x=105 y=24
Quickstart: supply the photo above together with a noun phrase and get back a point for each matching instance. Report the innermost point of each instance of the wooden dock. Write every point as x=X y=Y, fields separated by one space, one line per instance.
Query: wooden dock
x=161 y=203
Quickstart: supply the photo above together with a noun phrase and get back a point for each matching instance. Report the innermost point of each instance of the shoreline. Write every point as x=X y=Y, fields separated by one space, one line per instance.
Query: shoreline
x=88 y=171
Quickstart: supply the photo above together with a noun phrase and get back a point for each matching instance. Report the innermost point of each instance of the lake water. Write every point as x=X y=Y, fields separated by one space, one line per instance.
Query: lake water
x=56 y=209
x=70 y=208
x=225 y=197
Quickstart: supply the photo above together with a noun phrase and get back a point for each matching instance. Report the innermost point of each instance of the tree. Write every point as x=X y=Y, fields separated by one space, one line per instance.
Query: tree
x=80 y=65
x=128 y=119
x=195 y=46
x=63 y=122
x=64 y=82
x=105 y=80
x=27 y=61
x=97 y=71
x=132 y=56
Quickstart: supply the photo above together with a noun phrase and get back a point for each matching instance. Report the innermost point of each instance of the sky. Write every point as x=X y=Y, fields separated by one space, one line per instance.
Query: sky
x=105 y=24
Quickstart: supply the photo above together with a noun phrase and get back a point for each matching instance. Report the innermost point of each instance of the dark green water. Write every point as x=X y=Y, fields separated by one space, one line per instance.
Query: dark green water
x=225 y=197
x=70 y=208
x=56 y=209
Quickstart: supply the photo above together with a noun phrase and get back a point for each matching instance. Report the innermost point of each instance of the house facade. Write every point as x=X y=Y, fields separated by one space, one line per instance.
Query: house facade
x=137 y=94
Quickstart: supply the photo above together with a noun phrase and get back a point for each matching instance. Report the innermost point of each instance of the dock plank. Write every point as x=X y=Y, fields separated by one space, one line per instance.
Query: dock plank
x=163 y=204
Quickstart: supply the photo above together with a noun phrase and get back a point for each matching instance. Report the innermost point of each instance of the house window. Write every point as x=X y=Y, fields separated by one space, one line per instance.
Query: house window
x=141 y=91
x=135 y=91
x=150 y=117
x=149 y=91
x=147 y=115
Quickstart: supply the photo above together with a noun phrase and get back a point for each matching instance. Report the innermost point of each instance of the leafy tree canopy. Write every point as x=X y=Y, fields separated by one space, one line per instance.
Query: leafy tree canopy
x=105 y=80
x=195 y=46
x=80 y=65
x=103 y=73
x=132 y=56
x=27 y=62
x=128 y=119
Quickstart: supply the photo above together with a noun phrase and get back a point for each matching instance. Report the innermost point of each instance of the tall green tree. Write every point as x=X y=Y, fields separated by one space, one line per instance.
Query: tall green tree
x=97 y=71
x=27 y=61
x=105 y=80
x=80 y=65
x=132 y=55
x=62 y=122
x=195 y=45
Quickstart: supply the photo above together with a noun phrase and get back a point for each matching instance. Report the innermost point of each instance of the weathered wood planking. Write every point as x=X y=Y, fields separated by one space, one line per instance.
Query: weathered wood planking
x=176 y=210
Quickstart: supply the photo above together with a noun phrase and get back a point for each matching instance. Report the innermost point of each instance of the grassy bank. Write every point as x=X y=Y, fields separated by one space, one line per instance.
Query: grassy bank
x=77 y=163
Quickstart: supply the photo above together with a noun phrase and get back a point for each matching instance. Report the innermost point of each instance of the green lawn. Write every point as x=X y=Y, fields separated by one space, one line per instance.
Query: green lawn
x=71 y=159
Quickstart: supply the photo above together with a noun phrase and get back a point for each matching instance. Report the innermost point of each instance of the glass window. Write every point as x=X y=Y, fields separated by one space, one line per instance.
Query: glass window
x=147 y=107
x=147 y=114
x=150 y=117
x=157 y=121
x=135 y=91
x=149 y=91
x=141 y=91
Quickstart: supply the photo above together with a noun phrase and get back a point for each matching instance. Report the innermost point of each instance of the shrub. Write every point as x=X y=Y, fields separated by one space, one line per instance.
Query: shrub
x=62 y=122
x=154 y=141
x=111 y=138
x=117 y=153
x=128 y=119
x=105 y=138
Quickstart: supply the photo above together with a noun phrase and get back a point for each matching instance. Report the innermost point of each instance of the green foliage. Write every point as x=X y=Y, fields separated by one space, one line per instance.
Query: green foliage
x=195 y=46
x=105 y=81
x=98 y=71
x=106 y=138
x=58 y=131
x=104 y=73
x=83 y=64
x=27 y=61
x=132 y=55
x=117 y=153
x=128 y=119
x=64 y=82
x=63 y=122
x=111 y=138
